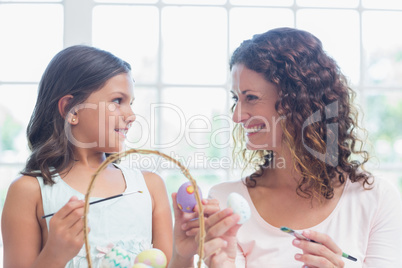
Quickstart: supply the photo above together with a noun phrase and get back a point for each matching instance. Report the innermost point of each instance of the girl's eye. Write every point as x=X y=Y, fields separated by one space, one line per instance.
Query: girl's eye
x=235 y=98
x=118 y=100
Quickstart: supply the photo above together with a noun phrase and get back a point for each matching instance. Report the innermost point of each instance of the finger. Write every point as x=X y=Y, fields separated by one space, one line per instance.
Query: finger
x=217 y=217
x=213 y=246
x=232 y=232
x=216 y=260
x=73 y=217
x=323 y=239
x=192 y=232
x=317 y=261
x=222 y=226
x=191 y=224
x=210 y=206
x=321 y=252
x=177 y=212
x=71 y=205
x=328 y=242
x=229 y=235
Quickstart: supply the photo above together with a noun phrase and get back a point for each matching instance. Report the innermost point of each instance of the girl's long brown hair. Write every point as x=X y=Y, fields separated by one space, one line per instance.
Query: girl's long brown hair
x=320 y=121
x=77 y=71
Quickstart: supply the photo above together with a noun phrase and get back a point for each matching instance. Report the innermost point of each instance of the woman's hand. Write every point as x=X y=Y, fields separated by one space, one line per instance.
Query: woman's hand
x=324 y=253
x=187 y=227
x=66 y=235
x=220 y=246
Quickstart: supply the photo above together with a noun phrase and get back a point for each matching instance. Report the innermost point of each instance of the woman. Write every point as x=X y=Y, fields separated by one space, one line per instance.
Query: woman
x=297 y=124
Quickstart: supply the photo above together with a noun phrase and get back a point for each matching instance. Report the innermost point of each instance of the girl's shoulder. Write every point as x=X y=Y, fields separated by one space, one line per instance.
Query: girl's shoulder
x=153 y=180
x=23 y=194
x=25 y=184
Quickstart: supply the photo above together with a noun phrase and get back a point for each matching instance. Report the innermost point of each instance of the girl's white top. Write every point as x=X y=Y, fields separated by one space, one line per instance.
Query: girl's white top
x=367 y=224
x=124 y=222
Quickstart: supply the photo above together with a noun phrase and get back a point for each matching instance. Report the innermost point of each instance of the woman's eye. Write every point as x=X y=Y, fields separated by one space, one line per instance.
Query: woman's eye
x=235 y=99
x=251 y=97
x=118 y=100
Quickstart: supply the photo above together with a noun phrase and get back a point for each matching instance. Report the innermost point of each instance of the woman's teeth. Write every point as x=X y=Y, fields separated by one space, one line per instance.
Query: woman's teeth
x=253 y=129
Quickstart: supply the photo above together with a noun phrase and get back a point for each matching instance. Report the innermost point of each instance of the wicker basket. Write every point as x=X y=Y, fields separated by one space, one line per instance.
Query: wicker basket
x=112 y=158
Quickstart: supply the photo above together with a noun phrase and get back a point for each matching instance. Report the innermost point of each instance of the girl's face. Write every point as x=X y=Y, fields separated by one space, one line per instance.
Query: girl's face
x=104 y=118
x=255 y=100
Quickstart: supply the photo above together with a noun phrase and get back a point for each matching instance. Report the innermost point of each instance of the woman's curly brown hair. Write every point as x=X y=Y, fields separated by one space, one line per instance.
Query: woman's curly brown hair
x=320 y=121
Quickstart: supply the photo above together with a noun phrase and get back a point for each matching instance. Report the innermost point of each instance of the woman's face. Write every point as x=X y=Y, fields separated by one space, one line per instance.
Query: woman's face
x=255 y=100
x=105 y=116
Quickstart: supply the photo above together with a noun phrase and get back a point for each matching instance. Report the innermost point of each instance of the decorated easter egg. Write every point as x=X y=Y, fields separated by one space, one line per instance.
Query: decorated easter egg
x=152 y=257
x=141 y=265
x=239 y=206
x=186 y=197
x=116 y=257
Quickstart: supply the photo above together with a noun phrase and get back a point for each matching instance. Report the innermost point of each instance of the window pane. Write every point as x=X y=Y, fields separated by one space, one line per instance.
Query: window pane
x=194 y=45
x=30 y=36
x=195 y=2
x=262 y=2
x=328 y=3
x=383 y=121
x=341 y=40
x=245 y=22
x=383 y=48
x=194 y=121
x=385 y=4
x=128 y=1
x=132 y=33
x=14 y=120
x=28 y=1
x=139 y=135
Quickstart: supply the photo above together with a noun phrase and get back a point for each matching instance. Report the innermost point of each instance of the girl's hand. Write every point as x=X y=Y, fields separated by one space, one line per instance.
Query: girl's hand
x=325 y=253
x=186 y=227
x=66 y=235
x=220 y=241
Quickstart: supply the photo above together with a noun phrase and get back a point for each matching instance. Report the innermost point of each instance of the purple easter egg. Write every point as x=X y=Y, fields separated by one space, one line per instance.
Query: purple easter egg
x=186 y=197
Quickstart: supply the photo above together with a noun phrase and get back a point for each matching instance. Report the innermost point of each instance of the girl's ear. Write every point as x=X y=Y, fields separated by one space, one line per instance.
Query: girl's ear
x=62 y=105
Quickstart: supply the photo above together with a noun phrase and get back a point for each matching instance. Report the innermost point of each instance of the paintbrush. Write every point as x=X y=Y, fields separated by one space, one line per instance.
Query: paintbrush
x=100 y=200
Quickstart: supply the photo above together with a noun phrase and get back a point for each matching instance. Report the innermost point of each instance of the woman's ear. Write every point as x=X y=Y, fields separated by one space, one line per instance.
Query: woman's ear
x=62 y=105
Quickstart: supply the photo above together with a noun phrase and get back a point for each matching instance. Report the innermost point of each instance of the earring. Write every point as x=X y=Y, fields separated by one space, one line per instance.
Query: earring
x=73 y=120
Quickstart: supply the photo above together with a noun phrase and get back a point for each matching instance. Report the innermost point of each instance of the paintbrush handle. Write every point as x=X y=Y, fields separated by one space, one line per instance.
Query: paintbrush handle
x=98 y=201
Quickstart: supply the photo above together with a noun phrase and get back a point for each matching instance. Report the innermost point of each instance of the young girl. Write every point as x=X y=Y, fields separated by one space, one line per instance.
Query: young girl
x=83 y=112
x=295 y=115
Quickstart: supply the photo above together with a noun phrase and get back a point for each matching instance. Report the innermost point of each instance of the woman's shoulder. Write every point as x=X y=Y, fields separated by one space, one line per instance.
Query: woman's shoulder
x=378 y=189
x=225 y=188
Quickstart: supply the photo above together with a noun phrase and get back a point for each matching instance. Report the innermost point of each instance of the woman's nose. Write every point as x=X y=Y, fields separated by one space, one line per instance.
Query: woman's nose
x=239 y=114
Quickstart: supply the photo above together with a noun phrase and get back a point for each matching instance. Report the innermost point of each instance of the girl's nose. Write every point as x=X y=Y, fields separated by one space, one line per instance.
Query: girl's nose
x=130 y=116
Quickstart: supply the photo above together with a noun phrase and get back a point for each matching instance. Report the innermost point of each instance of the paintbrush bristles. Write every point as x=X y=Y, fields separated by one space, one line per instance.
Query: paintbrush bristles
x=112 y=158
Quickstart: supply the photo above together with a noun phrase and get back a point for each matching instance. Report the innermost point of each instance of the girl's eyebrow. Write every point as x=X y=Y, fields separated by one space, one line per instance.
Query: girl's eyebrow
x=121 y=93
